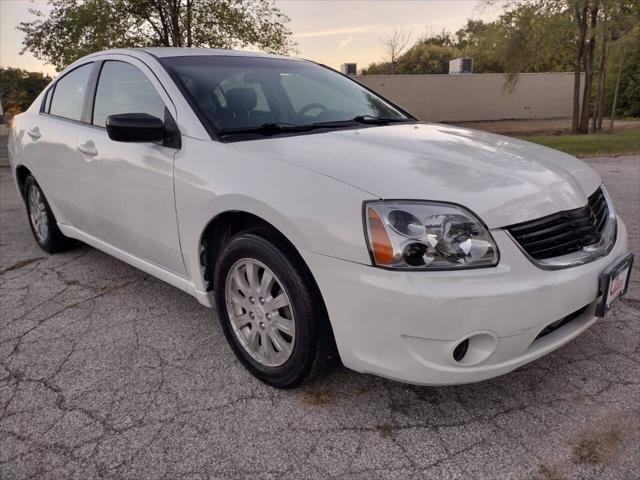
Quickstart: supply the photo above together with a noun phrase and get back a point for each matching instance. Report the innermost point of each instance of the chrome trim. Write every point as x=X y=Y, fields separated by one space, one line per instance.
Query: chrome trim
x=589 y=253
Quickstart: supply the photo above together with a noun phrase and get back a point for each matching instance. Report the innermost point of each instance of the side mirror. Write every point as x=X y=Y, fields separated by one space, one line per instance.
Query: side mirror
x=135 y=127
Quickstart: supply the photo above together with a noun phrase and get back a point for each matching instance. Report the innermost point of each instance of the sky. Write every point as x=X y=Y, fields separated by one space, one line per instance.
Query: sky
x=327 y=31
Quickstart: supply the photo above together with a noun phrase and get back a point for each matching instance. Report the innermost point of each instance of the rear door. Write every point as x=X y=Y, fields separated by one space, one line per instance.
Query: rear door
x=127 y=188
x=49 y=142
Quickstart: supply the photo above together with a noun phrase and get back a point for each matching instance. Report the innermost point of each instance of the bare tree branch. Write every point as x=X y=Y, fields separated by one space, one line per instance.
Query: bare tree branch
x=395 y=45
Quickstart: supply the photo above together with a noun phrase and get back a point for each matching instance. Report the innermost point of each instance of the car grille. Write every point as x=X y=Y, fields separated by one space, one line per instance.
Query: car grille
x=563 y=232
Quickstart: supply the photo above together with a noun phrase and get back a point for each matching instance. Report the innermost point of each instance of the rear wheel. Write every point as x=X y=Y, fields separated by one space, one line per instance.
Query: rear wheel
x=270 y=310
x=44 y=226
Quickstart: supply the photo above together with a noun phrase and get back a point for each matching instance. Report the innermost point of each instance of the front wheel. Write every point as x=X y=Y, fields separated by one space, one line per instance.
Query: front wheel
x=44 y=226
x=271 y=312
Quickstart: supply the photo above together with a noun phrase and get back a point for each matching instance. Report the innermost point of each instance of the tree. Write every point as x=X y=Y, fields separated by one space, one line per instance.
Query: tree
x=480 y=40
x=588 y=61
x=581 y=13
x=430 y=54
x=423 y=58
x=75 y=28
x=616 y=22
x=380 y=68
x=602 y=73
x=18 y=89
x=589 y=17
x=442 y=39
x=426 y=57
x=614 y=103
x=548 y=36
x=524 y=38
x=624 y=77
x=395 y=45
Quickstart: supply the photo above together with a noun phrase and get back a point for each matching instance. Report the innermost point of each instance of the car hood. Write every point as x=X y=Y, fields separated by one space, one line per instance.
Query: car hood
x=501 y=179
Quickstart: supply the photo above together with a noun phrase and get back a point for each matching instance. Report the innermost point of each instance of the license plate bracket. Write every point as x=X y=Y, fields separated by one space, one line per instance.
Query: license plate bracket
x=614 y=283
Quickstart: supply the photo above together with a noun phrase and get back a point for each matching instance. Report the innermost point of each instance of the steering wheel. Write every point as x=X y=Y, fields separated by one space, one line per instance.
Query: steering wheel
x=309 y=107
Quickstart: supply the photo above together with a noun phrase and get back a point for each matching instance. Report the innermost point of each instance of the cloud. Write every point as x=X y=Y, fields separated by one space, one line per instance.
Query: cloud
x=345 y=42
x=342 y=31
x=379 y=29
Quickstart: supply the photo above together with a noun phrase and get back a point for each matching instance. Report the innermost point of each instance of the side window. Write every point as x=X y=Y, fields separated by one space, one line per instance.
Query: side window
x=123 y=88
x=67 y=98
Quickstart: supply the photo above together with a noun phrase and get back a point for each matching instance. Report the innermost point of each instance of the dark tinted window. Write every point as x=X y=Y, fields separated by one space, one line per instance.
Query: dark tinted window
x=68 y=96
x=123 y=88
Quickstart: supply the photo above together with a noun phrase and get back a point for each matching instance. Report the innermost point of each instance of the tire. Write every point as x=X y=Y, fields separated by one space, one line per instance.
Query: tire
x=44 y=226
x=308 y=348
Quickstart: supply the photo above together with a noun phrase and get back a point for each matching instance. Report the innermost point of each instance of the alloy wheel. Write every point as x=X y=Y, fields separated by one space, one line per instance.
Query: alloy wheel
x=38 y=214
x=260 y=312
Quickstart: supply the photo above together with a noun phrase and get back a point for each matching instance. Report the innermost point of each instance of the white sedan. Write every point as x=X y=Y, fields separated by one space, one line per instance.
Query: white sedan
x=321 y=220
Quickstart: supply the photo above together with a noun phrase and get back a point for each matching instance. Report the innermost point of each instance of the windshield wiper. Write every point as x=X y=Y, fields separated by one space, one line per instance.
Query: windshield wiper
x=366 y=119
x=271 y=128
x=274 y=128
x=371 y=120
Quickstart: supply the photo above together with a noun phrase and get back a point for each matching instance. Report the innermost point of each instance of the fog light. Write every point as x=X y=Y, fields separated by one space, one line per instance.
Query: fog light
x=461 y=350
x=472 y=349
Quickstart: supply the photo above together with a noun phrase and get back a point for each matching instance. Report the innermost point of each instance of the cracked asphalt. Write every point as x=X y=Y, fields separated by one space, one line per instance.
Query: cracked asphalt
x=108 y=373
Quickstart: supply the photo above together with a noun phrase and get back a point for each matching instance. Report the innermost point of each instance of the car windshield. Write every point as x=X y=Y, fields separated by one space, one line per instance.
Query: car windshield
x=267 y=96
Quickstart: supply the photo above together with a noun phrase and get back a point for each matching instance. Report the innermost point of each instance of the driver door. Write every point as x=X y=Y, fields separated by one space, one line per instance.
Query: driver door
x=127 y=188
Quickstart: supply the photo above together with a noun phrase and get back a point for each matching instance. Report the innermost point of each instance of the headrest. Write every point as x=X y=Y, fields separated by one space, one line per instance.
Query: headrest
x=241 y=99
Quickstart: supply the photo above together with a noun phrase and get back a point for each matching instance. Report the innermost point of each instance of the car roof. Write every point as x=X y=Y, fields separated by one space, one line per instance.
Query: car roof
x=184 y=51
x=165 y=52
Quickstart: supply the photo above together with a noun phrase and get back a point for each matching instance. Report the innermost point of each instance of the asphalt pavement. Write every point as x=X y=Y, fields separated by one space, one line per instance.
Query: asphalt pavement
x=106 y=372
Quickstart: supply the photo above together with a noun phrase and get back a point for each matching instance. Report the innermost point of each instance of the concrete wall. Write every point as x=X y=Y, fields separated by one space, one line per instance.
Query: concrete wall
x=462 y=98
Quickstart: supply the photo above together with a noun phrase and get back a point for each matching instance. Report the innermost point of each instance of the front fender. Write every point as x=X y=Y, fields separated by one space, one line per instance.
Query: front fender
x=316 y=213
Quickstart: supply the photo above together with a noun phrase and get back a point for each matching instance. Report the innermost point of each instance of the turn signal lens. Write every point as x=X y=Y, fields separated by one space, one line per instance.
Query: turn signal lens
x=379 y=239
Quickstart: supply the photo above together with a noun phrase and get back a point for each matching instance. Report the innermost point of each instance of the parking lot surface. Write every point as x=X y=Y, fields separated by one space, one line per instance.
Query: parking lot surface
x=106 y=372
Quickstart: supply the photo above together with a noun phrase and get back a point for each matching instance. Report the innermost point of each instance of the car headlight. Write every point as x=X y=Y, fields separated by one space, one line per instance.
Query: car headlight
x=426 y=236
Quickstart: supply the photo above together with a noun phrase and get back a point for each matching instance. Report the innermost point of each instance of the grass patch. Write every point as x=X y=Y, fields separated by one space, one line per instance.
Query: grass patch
x=592 y=145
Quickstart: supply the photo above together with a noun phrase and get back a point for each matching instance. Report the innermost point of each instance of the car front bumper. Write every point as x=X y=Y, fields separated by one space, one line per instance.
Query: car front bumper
x=406 y=325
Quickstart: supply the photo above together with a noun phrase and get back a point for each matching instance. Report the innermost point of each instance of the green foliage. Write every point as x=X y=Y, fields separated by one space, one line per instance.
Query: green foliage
x=426 y=57
x=480 y=41
x=629 y=95
x=18 y=89
x=533 y=36
x=597 y=144
x=526 y=38
x=75 y=28
x=380 y=68
x=529 y=36
x=429 y=55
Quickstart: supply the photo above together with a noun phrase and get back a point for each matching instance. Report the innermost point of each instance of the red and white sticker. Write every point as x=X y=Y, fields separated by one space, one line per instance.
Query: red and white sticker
x=616 y=286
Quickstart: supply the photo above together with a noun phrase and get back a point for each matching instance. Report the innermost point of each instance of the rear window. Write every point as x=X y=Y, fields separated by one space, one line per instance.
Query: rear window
x=67 y=98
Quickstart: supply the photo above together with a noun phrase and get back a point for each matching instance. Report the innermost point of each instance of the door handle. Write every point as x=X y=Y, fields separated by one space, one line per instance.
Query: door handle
x=34 y=133
x=88 y=148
